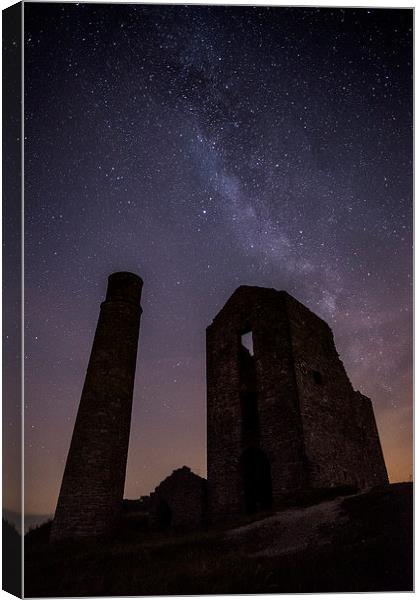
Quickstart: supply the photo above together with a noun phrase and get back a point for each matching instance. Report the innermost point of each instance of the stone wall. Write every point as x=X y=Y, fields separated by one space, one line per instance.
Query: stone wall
x=340 y=436
x=179 y=502
x=310 y=429
x=279 y=437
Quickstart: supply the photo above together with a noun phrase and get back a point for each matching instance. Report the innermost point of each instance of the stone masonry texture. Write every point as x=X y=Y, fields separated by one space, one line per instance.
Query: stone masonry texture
x=179 y=501
x=285 y=416
x=92 y=489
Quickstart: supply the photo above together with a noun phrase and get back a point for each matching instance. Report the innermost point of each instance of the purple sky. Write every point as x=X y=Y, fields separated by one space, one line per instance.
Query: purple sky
x=204 y=148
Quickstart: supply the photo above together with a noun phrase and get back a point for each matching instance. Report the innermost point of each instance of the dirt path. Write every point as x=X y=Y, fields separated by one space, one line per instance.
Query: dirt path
x=289 y=531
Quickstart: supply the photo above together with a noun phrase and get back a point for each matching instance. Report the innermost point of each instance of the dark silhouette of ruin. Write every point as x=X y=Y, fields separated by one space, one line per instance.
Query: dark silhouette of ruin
x=179 y=501
x=282 y=417
x=93 y=483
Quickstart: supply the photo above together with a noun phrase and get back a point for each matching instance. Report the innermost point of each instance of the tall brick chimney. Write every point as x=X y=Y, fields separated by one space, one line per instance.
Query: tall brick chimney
x=93 y=483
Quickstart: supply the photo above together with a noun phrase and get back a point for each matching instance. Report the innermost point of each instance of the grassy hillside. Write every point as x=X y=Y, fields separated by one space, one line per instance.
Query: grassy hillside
x=347 y=544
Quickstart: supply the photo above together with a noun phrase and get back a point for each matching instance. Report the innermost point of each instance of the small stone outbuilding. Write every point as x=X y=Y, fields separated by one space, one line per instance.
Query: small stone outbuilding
x=179 y=502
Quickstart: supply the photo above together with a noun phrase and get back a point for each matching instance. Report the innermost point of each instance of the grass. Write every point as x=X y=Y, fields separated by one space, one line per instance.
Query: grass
x=369 y=548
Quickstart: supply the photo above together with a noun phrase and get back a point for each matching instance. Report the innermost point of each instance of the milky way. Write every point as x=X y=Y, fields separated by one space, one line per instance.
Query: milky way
x=204 y=148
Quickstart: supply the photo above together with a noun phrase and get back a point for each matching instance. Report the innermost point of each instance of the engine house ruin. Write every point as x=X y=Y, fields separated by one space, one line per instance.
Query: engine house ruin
x=282 y=415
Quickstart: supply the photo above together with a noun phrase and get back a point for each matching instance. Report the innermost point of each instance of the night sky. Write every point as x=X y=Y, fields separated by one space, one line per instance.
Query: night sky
x=204 y=148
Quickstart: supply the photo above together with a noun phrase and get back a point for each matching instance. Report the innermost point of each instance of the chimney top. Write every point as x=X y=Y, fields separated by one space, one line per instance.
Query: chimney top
x=124 y=287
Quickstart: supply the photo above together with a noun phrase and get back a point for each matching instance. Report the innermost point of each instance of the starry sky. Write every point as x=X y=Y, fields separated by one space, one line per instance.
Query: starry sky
x=203 y=148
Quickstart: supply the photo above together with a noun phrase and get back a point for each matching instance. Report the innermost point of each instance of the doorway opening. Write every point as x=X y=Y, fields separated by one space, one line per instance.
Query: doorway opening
x=256 y=480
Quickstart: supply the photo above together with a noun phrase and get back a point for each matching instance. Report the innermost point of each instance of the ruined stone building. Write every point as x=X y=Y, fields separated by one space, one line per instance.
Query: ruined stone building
x=179 y=501
x=282 y=414
x=93 y=483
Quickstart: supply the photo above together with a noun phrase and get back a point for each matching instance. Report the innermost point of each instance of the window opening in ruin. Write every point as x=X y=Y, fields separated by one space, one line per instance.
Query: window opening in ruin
x=247 y=342
x=256 y=479
x=317 y=377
